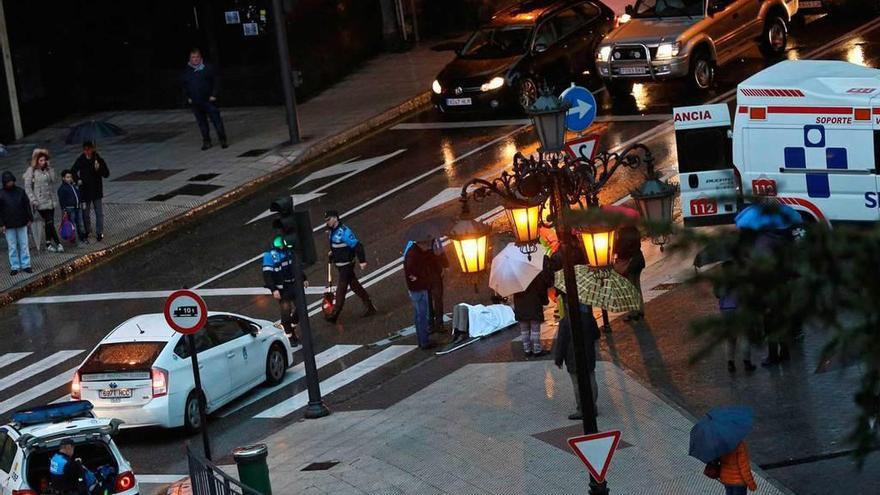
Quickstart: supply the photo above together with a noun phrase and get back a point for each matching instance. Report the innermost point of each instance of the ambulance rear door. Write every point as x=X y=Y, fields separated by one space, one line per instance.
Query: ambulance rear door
x=709 y=186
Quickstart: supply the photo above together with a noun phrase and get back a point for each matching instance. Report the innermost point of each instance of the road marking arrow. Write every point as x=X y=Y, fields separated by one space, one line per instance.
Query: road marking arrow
x=345 y=169
x=582 y=108
x=440 y=198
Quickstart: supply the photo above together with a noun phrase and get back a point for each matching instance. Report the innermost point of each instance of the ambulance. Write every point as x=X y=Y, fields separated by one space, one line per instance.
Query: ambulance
x=805 y=133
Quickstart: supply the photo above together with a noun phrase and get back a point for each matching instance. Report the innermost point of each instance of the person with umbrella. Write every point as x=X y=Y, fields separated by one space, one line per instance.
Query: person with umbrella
x=718 y=440
x=438 y=267
x=89 y=171
x=528 y=307
x=630 y=263
x=418 y=257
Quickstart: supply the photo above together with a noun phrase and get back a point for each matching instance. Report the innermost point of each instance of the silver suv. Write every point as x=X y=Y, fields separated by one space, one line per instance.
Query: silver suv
x=675 y=39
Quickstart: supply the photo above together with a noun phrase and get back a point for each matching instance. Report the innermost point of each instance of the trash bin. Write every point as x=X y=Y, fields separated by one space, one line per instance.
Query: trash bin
x=253 y=471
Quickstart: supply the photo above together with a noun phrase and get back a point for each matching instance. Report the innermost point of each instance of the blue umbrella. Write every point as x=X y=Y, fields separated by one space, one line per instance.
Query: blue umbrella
x=720 y=432
x=767 y=217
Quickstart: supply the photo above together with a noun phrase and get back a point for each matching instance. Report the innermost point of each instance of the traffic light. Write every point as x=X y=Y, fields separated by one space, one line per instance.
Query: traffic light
x=296 y=229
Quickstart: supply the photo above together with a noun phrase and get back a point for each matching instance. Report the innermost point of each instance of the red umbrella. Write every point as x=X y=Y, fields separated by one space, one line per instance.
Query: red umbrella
x=624 y=211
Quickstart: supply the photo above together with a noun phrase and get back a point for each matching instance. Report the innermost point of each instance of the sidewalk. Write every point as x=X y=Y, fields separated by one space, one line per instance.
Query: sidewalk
x=158 y=172
x=492 y=428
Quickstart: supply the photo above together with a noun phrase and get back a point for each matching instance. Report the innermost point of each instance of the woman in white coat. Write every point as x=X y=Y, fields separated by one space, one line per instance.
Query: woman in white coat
x=39 y=183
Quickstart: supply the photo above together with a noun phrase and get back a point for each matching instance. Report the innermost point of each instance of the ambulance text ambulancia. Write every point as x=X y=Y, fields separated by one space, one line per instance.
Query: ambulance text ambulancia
x=806 y=133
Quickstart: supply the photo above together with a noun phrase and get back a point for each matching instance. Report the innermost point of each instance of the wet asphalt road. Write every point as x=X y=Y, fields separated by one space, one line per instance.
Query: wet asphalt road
x=425 y=162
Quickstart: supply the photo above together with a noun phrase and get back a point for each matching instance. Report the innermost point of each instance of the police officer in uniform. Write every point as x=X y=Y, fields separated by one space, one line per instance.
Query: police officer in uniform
x=66 y=475
x=278 y=277
x=344 y=248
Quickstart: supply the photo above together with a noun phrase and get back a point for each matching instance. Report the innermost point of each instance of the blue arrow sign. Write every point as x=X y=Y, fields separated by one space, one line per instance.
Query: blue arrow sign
x=582 y=110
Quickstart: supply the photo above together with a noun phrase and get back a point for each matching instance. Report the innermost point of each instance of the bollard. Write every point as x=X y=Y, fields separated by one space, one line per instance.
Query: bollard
x=253 y=471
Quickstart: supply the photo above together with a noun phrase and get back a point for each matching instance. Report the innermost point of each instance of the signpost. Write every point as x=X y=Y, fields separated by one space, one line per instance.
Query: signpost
x=596 y=451
x=583 y=146
x=187 y=313
x=582 y=108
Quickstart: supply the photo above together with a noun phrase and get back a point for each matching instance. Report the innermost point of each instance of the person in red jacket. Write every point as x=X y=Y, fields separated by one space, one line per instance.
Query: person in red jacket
x=736 y=471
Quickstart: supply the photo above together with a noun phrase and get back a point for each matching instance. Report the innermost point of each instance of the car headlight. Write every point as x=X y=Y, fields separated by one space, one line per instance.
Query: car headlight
x=667 y=50
x=436 y=87
x=603 y=54
x=494 y=83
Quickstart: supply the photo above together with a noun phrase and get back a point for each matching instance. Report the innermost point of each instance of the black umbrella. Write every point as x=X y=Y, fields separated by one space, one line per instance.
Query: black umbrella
x=428 y=230
x=91 y=131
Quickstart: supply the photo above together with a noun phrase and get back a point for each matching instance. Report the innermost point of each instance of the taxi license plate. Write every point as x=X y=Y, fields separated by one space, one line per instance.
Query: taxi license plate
x=703 y=206
x=458 y=102
x=810 y=4
x=114 y=393
x=632 y=70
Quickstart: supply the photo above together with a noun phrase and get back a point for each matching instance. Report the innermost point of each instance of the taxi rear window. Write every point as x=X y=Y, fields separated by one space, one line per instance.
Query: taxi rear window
x=123 y=356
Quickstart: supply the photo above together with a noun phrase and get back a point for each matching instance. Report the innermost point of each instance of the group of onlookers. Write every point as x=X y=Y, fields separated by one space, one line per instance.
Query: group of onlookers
x=80 y=192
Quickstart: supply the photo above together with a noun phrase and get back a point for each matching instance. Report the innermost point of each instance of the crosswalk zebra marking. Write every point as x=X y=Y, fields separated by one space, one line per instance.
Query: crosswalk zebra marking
x=338 y=380
x=38 y=367
x=37 y=391
x=293 y=374
x=7 y=359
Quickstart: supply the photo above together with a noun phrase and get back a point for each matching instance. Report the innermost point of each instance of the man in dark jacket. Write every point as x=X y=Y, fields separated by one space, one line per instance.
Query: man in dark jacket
x=69 y=201
x=200 y=86
x=417 y=260
x=15 y=217
x=344 y=249
x=435 y=293
x=563 y=351
x=89 y=171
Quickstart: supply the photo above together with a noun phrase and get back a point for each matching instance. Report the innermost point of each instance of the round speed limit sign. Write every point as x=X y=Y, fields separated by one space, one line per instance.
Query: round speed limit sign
x=185 y=311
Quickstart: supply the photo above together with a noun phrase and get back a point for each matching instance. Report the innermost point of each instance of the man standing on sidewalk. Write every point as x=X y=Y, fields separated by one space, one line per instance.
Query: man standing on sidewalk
x=89 y=171
x=439 y=265
x=418 y=258
x=278 y=277
x=344 y=248
x=200 y=87
x=15 y=218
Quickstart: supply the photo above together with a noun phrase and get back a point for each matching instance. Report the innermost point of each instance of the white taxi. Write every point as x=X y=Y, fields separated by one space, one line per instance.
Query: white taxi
x=141 y=372
x=35 y=435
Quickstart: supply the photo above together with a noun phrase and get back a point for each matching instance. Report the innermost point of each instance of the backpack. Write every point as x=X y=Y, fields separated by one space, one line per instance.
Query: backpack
x=67 y=230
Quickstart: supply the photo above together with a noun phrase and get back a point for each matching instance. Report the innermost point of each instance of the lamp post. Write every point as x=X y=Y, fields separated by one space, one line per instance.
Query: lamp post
x=554 y=181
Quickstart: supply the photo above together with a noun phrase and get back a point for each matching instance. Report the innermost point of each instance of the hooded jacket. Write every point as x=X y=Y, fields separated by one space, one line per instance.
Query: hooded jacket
x=40 y=187
x=15 y=207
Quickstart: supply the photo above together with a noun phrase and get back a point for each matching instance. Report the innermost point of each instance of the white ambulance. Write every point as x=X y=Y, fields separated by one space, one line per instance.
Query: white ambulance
x=806 y=133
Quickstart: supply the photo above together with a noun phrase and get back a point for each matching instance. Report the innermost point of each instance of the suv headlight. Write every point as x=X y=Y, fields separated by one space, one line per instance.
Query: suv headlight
x=494 y=83
x=603 y=54
x=667 y=50
x=436 y=87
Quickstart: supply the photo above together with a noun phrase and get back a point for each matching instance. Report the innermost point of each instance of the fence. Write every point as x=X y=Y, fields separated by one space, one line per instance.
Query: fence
x=208 y=479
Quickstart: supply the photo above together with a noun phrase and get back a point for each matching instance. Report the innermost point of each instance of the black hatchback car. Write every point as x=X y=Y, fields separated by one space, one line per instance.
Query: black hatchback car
x=503 y=64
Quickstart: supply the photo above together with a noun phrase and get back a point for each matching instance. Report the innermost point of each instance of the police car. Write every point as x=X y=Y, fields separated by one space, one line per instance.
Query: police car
x=806 y=134
x=141 y=372
x=34 y=436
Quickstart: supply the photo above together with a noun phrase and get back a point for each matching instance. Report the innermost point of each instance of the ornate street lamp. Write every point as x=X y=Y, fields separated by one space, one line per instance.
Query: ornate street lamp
x=557 y=181
x=654 y=200
x=525 y=218
x=470 y=239
x=548 y=114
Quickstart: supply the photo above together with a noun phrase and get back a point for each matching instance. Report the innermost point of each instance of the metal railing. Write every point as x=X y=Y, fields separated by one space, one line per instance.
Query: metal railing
x=208 y=479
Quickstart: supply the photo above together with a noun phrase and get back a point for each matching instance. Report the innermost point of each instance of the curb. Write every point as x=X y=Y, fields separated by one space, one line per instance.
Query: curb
x=331 y=143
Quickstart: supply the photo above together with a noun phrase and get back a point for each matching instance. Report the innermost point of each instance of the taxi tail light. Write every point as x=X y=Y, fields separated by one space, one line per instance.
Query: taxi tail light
x=75 y=386
x=124 y=482
x=159 y=379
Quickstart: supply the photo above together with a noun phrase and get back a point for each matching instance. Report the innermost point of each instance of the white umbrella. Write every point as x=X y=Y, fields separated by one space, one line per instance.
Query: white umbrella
x=512 y=271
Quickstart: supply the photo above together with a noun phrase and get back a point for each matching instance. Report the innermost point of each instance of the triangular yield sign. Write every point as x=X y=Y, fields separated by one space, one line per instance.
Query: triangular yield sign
x=596 y=451
x=583 y=146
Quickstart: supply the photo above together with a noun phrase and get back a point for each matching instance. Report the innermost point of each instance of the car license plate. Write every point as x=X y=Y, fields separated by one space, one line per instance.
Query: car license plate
x=810 y=4
x=114 y=393
x=703 y=206
x=632 y=70
x=458 y=102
